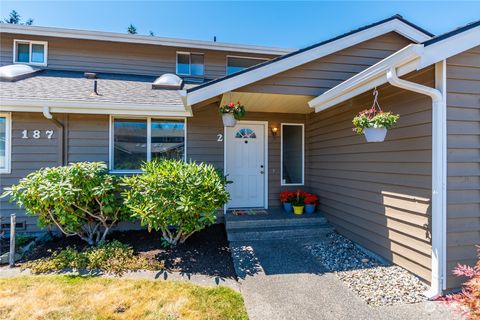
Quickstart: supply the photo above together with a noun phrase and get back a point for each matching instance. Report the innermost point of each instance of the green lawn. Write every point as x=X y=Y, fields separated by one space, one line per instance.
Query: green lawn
x=66 y=297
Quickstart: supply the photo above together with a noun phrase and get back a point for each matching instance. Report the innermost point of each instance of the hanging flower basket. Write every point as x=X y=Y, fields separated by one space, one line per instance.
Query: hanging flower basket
x=373 y=123
x=229 y=120
x=375 y=134
x=231 y=113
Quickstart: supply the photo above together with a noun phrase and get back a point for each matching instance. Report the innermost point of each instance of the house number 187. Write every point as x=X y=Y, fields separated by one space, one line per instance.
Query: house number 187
x=36 y=134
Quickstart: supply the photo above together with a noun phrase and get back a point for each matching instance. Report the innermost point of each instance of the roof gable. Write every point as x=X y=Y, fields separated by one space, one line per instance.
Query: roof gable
x=412 y=57
x=394 y=24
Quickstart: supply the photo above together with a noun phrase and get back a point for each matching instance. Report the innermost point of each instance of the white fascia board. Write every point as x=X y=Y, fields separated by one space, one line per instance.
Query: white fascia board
x=63 y=106
x=140 y=39
x=450 y=46
x=406 y=59
x=304 y=57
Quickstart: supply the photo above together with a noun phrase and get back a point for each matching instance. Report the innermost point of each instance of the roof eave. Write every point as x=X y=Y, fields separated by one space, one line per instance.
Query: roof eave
x=411 y=58
x=220 y=86
x=140 y=39
x=95 y=107
x=406 y=59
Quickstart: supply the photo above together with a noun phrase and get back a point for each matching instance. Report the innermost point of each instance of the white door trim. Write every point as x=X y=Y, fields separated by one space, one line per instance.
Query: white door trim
x=265 y=147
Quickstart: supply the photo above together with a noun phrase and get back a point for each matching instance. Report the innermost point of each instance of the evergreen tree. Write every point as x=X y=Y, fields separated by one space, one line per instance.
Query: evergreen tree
x=131 y=29
x=15 y=18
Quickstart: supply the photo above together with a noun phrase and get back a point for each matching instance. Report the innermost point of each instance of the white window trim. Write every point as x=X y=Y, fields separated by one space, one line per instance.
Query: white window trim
x=241 y=57
x=8 y=142
x=281 y=154
x=149 y=139
x=30 y=43
x=189 y=64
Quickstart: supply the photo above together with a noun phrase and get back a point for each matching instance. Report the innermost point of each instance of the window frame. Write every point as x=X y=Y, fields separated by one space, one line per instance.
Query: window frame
x=241 y=57
x=189 y=64
x=8 y=143
x=149 y=139
x=30 y=43
x=281 y=154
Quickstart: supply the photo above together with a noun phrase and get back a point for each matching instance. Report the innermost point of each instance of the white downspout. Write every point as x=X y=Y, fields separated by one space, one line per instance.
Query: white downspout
x=439 y=216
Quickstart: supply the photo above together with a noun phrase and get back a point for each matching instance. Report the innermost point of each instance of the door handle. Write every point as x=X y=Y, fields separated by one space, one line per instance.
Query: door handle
x=262 y=172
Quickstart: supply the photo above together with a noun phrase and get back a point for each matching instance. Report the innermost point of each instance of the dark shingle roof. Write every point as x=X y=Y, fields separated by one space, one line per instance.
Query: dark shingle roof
x=73 y=86
x=452 y=33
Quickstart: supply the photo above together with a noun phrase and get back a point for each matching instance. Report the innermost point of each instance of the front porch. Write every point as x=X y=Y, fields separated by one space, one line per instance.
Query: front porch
x=273 y=223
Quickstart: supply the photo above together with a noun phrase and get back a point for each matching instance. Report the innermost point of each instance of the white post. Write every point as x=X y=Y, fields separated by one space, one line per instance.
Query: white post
x=11 y=256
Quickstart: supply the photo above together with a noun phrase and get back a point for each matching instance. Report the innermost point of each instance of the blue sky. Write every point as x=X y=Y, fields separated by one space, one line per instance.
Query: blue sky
x=272 y=23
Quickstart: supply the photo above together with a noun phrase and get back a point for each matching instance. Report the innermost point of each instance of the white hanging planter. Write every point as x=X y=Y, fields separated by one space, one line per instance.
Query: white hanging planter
x=229 y=119
x=375 y=134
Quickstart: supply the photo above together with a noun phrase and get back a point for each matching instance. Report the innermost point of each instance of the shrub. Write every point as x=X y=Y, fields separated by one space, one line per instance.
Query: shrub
x=175 y=197
x=111 y=257
x=80 y=199
x=467 y=302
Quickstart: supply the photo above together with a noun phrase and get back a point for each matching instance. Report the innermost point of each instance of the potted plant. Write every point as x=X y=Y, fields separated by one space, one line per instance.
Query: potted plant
x=374 y=124
x=286 y=200
x=298 y=202
x=232 y=112
x=311 y=201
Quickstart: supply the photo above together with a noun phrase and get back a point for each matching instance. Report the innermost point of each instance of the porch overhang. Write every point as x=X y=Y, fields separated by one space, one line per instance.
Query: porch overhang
x=269 y=102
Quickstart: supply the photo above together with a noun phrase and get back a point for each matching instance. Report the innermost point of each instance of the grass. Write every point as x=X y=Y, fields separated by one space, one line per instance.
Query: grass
x=71 y=297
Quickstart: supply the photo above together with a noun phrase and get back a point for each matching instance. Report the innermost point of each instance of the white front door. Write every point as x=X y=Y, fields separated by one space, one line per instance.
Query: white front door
x=245 y=164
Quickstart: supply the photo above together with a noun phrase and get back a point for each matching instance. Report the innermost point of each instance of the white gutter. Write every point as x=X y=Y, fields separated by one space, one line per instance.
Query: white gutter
x=439 y=172
x=94 y=107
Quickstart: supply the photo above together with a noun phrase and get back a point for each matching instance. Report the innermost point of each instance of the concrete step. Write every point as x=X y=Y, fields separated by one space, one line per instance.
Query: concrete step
x=278 y=232
x=268 y=222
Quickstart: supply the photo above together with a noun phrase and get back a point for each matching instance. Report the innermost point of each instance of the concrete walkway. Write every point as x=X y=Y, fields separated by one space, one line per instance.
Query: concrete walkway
x=279 y=279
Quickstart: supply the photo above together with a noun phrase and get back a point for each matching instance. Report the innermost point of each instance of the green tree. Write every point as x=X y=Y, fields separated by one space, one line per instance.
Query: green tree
x=15 y=18
x=131 y=29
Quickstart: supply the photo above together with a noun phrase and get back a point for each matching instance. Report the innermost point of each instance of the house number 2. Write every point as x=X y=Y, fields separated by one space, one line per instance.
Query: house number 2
x=219 y=137
x=36 y=134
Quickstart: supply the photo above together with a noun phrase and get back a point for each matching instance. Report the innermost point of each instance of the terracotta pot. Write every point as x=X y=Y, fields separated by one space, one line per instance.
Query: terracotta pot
x=375 y=134
x=229 y=120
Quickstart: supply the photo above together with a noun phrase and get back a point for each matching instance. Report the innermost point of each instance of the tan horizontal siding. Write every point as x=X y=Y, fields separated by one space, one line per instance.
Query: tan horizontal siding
x=378 y=194
x=314 y=78
x=113 y=57
x=28 y=155
x=463 y=170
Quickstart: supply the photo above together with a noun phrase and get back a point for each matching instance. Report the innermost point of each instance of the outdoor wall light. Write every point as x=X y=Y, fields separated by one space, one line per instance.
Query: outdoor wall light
x=274 y=131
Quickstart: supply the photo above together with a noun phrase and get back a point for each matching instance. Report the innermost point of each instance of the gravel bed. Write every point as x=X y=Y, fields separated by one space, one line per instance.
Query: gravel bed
x=376 y=283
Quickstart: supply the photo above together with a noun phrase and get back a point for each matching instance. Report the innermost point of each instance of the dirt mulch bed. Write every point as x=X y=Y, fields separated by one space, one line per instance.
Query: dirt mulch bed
x=206 y=252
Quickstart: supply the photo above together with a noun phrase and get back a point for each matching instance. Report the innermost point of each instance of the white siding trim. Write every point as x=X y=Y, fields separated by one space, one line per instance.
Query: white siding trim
x=8 y=142
x=281 y=154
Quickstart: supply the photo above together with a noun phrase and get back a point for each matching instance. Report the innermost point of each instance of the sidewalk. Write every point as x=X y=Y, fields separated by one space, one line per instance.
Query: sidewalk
x=281 y=280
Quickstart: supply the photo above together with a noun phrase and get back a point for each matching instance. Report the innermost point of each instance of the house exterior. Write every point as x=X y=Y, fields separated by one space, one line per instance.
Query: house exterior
x=413 y=199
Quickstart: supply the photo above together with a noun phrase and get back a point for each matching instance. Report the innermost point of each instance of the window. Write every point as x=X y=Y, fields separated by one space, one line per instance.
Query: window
x=245 y=133
x=5 y=142
x=190 y=64
x=30 y=52
x=135 y=140
x=292 y=148
x=235 y=64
